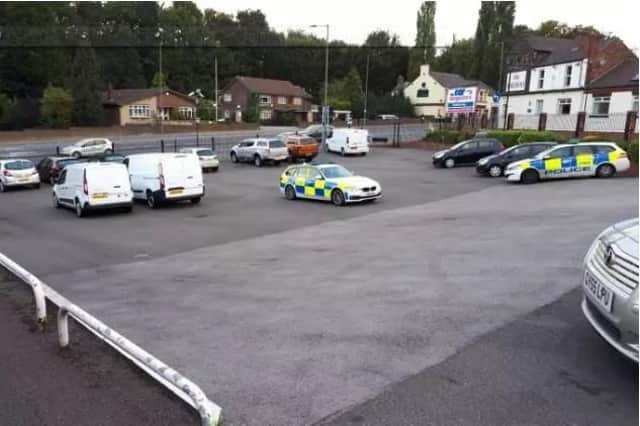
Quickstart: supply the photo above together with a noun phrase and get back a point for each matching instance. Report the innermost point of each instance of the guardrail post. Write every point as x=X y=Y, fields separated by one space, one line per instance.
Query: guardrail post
x=161 y=145
x=175 y=145
x=38 y=292
x=63 y=327
x=213 y=144
x=113 y=146
x=57 y=150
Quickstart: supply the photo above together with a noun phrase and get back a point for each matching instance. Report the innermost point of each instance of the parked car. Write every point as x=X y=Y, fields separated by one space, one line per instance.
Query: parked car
x=301 y=147
x=313 y=131
x=494 y=165
x=600 y=159
x=349 y=141
x=259 y=151
x=387 y=117
x=327 y=182
x=88 y=147
x=50 y=167
x=161 y=177
x=208 y=159
x=610 y=286
x=18 y=172
x=93 y=186
x=467 y=152
x=109 y=158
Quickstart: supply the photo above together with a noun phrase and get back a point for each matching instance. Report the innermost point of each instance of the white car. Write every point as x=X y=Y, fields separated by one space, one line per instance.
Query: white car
x=160 y=177
x=208 y=159
x=610 y=286
x=18 y=172
x=349 y=141
x=88 y=147
x=93 y=186
x=600 y=159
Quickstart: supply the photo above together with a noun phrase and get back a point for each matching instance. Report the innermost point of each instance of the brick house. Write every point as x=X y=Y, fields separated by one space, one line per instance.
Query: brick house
x=145 y=106
x=273 y=97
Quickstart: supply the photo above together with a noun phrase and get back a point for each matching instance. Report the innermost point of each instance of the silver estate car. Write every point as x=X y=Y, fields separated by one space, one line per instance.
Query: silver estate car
x=259 y=150
x=610 y=287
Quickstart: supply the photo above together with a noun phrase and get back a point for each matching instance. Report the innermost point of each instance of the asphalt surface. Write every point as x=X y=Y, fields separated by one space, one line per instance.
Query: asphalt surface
x=286 y=312
x=224 y=140
x=86 y=383
x=547 y=368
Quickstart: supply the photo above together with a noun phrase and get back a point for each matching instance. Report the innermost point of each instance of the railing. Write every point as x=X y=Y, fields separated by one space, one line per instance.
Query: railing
x=184 y=388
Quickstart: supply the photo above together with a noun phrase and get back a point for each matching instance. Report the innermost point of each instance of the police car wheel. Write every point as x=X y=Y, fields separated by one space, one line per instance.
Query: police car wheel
x=337 y=197
x=605 y=171
x=449 y=163
x=289 y=192
x=495 y=171
x=529 y=176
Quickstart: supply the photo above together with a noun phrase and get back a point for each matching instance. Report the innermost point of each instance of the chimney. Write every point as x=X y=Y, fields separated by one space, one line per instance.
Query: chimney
x=424 y=69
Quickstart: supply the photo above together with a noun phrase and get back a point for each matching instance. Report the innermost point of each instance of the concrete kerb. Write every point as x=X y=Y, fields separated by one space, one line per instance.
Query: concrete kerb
x=210 y=413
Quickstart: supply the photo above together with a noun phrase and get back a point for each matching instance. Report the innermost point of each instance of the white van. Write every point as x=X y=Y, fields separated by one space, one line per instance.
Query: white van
x=349 y=141
x=93 y=186
x=157 y=178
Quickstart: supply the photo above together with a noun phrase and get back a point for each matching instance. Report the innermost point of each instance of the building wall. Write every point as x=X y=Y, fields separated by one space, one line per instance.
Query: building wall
x=554 y=76
x=124 y=111
x=239 y=96
x=432 y=105
x=526 y=104
x=621 y=102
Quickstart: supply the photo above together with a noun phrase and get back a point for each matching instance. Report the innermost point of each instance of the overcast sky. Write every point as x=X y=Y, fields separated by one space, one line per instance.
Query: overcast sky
x=352 y=20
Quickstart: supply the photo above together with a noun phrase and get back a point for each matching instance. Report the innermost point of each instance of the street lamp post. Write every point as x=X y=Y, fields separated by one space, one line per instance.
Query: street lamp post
x=325 y=107
x=161 y=88
x=366 y=93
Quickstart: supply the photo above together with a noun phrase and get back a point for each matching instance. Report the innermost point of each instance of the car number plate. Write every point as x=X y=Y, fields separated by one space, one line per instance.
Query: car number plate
x=23 y=180
x=175 y=191
x=99 y=195
x=600 y=293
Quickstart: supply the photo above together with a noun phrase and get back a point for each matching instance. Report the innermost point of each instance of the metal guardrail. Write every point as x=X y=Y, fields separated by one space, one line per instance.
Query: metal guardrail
x=210 y=413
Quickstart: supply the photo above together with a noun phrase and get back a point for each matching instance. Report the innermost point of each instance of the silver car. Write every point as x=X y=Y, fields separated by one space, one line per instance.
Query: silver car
x=259 y=151
x=610 y=287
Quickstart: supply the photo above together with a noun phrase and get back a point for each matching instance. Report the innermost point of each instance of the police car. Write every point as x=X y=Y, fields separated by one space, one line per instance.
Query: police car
x=601 y=159
x=327 y=182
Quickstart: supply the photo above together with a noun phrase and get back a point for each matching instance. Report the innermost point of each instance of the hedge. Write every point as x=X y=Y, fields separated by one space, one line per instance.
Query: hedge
x=448 y=137
x=515 y=137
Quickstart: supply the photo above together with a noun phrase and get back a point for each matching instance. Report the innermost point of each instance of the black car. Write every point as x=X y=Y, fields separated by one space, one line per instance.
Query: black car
x=494 y=165
x=467 y=152
x=50 y=167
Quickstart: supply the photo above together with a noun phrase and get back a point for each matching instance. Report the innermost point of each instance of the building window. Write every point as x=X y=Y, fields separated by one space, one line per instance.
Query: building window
x=601 y=105
x=185 y=112
x=297 y=101
x=423 y=93
x=265 y=114
x=564 y=106
x=567 y=76
x=265 y=100
x=139 y=111
x=539 y=106
x=227 y=97
x=540 y=79
x=227 y=114
x=634 y=103
x=282 y=100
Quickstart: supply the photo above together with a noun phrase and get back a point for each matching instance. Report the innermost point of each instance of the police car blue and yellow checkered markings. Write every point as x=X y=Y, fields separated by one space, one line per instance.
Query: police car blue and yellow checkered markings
x=571 y=165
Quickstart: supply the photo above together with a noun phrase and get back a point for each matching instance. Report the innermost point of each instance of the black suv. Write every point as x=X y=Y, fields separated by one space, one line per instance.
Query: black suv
x=494 y=165
x=467 y=152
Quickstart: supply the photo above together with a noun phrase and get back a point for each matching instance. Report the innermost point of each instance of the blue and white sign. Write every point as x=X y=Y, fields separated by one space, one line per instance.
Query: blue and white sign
x=461 y=99
x=496 y=99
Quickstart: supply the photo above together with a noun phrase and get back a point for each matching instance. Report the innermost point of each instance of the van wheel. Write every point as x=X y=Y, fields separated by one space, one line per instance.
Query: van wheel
x=128 y=209
x=277 y=163
x=449 y=163
x=195 y=200
x=214 y=169
x=337 y=197
x=529 y=176
x=36 y=186
x=52 y=180
x=152 y=203
x=257 y=161
x=2 y=187
x=108 y=151
x=76 y=155
x=234 y=157
x=605 y=171
x=79 y=209
x=56 y=203
x=342 y=151
x=290 y=192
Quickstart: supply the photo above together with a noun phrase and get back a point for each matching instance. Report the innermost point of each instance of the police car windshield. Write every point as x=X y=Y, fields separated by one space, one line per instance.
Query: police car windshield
x=334 y=172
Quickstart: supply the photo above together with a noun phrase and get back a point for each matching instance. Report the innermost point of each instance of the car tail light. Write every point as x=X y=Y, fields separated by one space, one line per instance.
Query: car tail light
x=7 y=173
x=161 y=178
x=85 y=186
x=623 y=154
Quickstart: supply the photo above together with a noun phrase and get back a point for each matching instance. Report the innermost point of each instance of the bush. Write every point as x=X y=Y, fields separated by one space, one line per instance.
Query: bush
x=448 y=137
x=632 y=150
x=515 y=137
x=57 y=107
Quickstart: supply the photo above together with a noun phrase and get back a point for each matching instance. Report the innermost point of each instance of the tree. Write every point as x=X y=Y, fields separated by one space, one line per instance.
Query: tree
x=425 y=50
x=347 y=93
x=159 y=81
x=387 y=60
x=552 y=28
x=57 y=107
x=457 y=58
x=7 y=111
x=86 y=88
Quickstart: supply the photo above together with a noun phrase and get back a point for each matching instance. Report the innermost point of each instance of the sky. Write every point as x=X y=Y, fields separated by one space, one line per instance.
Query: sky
x=352 y=20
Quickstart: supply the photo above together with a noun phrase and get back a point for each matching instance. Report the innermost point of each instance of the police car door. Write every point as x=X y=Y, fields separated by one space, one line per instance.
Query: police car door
x=585 y=164
x=301 y=178
x=559 y=163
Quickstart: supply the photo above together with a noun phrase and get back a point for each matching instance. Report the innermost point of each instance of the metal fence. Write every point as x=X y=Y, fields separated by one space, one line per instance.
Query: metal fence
x=184 y=388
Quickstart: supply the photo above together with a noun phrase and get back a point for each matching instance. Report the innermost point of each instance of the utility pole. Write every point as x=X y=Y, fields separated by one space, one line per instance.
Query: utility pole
x=325 y=108
x=366 y=92
x=160 y=112
x=215 y=72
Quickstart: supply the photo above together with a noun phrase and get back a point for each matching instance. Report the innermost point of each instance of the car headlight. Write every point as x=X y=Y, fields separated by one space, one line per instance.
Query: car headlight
x=483 y=161
x=438 y=155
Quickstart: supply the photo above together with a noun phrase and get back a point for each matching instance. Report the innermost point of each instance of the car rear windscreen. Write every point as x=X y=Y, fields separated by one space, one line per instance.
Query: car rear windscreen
x=276 y=144
x=308 y=141
x=19 y=165
x=205 y=152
